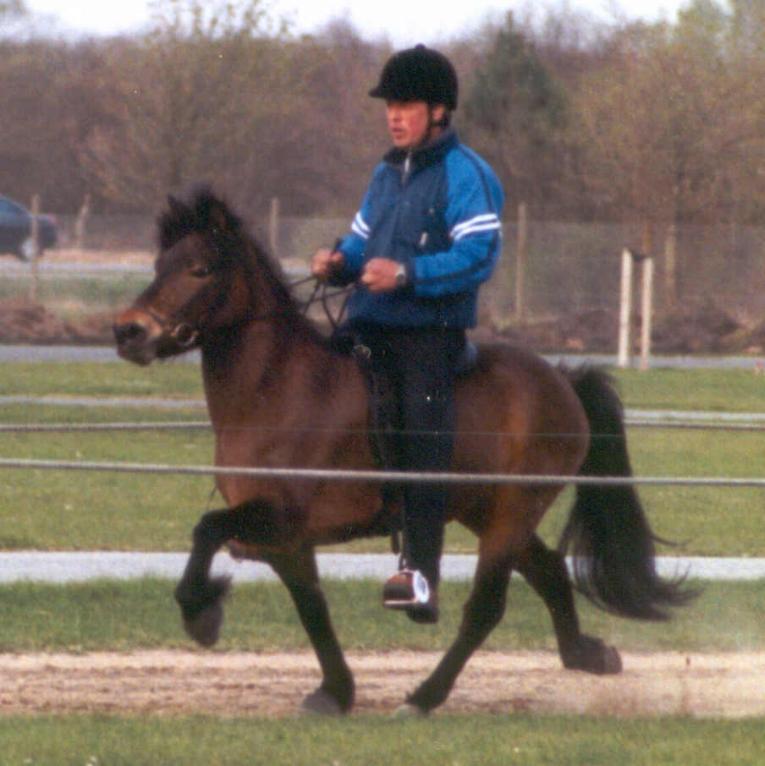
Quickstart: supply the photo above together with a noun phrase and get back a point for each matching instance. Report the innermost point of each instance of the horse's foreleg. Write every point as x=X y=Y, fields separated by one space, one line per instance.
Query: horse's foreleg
x=200 y=596
x=482 y=612
x=300 y=575
x=546 y=572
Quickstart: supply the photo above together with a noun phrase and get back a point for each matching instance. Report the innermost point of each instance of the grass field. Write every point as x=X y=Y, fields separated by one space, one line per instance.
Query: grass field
x=51 y=510
x=59 y=510
x=126 y=617
x=440 y=741
x=734 y=390
x=141 y=614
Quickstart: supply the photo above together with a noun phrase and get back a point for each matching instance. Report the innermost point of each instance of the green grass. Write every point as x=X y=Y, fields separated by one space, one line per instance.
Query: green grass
x=86 y=510
x=58 y=510
x=121 y=616
x=167 y=380
x=737 y=390
x=714 y=390
x=78 y=296
x=442 y=740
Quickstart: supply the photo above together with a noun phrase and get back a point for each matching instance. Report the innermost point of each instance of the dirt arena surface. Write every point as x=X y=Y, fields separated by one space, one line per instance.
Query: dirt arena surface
x=273 y=684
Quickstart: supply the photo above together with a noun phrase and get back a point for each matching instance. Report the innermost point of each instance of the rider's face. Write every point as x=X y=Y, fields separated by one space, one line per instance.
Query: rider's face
x=409 y=122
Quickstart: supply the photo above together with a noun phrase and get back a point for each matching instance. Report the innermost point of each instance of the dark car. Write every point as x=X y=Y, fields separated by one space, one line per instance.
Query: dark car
x=16 y=230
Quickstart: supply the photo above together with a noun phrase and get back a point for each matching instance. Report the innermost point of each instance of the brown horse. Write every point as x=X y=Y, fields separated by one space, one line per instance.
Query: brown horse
x=280 y=396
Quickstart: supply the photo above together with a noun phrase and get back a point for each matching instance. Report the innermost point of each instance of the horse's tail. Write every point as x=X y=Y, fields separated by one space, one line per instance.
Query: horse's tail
x=607 y=534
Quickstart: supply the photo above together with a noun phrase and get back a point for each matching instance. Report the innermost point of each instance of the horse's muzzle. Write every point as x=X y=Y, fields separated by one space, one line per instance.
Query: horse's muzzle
x=137 y=335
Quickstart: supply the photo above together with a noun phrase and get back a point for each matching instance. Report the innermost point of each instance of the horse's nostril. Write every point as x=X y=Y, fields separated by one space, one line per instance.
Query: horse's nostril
x=129 y=332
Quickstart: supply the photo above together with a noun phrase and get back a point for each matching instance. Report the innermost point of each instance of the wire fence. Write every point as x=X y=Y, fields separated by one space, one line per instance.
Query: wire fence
x=376 y=476
x=571 y=267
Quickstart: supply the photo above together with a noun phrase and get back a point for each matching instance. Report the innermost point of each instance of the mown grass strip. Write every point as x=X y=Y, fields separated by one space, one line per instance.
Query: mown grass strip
x=445 y=740
x=716 y=390
x=140 y=614
x=57 y=510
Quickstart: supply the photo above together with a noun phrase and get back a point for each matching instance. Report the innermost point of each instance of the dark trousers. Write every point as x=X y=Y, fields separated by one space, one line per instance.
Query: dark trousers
x=414 y=371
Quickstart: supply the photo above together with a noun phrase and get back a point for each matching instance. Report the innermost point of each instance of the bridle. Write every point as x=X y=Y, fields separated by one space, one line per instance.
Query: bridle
x=186 y=335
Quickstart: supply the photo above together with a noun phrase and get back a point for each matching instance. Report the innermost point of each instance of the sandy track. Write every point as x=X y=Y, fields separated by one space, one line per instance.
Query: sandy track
x=271 y=685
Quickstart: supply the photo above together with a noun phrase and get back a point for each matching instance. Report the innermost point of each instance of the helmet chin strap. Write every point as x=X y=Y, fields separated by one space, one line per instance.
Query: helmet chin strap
x=434 y=125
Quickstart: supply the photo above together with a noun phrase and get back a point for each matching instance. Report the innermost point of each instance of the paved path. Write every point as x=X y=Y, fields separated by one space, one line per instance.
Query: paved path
x=63 y=567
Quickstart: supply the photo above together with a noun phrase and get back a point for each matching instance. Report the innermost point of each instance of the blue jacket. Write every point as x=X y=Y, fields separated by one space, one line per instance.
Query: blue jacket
x=437 y=211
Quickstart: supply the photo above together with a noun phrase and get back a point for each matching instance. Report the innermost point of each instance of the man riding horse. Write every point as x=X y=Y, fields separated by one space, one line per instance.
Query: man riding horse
x=427 y=235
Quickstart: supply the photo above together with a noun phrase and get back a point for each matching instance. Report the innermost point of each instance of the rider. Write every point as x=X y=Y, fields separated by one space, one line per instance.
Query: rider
x=426 y=236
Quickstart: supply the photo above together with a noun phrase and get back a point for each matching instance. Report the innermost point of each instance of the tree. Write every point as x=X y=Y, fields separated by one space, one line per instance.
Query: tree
x=192 y=101
x=667 y=126
x=516 y=114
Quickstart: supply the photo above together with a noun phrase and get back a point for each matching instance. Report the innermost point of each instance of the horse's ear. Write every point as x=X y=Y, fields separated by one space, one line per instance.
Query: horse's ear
x=174 y=205
x=221 y=219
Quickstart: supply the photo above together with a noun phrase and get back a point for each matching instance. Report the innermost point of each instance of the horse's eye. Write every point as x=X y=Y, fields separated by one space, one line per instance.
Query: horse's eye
x=200 y=270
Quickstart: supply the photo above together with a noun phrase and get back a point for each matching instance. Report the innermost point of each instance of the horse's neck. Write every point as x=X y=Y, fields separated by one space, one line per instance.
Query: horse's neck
x=245 y=370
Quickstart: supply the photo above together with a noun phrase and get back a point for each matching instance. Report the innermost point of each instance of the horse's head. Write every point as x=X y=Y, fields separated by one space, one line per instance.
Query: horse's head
x=205 y=281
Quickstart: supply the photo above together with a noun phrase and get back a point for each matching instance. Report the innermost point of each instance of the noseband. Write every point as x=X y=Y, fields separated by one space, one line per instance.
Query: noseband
x=182 y=333
x=186 y=335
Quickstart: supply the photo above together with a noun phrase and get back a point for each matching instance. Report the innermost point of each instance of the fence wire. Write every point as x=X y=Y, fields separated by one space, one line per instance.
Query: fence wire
x=398 y=477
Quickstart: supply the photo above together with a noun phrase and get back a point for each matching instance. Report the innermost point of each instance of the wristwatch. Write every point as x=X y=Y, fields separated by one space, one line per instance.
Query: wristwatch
x=400 y=275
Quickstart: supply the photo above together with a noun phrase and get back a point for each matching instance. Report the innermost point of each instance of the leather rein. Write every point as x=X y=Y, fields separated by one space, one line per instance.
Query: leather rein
x=186 y=335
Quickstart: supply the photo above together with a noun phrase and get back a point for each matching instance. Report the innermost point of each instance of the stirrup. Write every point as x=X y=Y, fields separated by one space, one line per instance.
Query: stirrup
x=406 y=588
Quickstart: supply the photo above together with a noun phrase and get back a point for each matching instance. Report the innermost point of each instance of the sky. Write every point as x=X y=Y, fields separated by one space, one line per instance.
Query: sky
x=403 y=22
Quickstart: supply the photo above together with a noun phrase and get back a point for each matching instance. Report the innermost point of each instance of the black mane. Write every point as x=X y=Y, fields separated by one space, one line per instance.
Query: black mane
x=203 y=213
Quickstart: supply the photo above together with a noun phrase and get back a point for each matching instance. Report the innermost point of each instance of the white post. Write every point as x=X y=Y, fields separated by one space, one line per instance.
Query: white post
x=625 y=310
x=646 y=312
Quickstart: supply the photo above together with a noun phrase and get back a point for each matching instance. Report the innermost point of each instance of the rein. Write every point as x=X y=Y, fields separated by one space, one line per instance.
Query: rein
x=322 y=293
x=186 y=335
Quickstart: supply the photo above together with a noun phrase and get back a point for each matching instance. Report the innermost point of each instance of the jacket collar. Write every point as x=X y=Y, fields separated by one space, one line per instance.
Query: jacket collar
x=425 y=155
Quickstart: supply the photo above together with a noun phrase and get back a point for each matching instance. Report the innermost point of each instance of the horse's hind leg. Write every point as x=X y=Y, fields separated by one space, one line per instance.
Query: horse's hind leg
x=546 y=572
x=300 y=575
x=482 y=612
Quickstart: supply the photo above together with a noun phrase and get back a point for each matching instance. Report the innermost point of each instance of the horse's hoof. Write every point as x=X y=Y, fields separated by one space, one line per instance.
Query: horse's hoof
x=321 y=702
x=205 y=627
x=594 y=656
x=612 y=661
x=409 y=710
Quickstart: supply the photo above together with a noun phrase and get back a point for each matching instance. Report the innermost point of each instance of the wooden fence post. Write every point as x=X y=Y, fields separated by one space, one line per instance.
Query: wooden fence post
x=81 y=223
x=273 y=227
x=521 y=255
x=34 y=234
x=670 y=266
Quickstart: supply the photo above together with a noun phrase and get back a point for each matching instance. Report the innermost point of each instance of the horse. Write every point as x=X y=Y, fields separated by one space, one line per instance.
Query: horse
x=280 y=395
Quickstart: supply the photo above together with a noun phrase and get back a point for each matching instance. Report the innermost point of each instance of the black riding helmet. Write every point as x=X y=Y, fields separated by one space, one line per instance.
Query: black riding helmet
x=418 y=74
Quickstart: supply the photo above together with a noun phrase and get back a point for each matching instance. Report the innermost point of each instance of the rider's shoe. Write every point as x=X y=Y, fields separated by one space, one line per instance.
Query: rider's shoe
x=409 y=590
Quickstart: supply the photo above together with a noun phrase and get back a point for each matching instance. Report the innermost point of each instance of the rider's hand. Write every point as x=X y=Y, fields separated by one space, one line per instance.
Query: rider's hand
x=326 y=262
x=379 y=275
